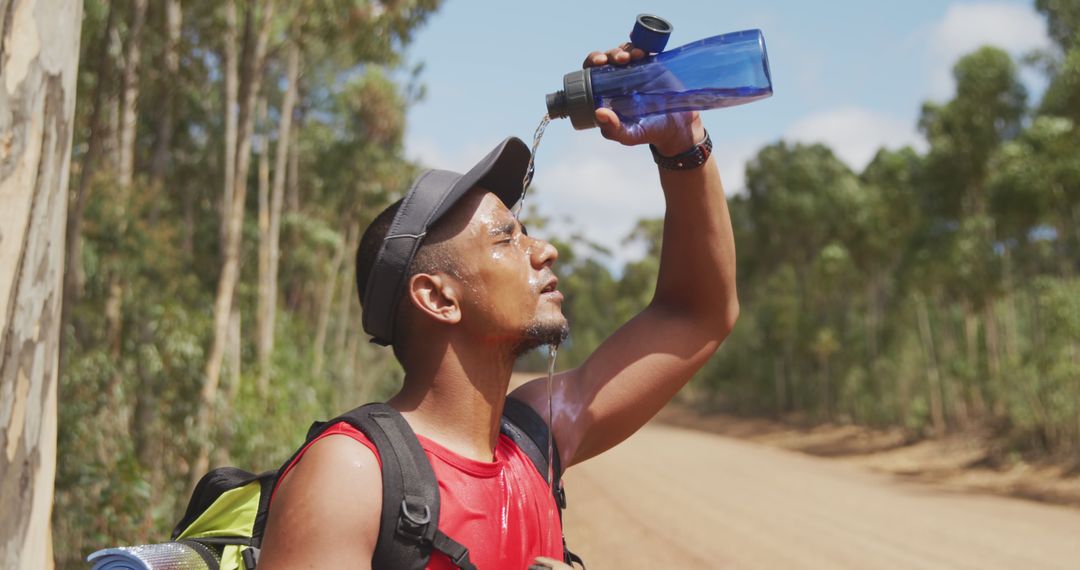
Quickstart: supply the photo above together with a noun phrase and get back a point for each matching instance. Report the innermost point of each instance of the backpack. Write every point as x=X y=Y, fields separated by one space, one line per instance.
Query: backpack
x=227 y=513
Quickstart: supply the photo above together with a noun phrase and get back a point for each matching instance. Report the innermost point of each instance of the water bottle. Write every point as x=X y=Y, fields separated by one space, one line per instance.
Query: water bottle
x=721 y=71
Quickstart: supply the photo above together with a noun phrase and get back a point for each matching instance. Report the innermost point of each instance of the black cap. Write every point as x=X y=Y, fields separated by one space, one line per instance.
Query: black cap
x=433 y=193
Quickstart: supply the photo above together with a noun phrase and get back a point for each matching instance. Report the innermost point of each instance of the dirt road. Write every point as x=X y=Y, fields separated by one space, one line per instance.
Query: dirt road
x=675 y=498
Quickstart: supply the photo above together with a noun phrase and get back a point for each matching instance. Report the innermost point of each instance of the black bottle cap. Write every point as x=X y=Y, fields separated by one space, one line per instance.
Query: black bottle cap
x=650 y=33
x=575 y=100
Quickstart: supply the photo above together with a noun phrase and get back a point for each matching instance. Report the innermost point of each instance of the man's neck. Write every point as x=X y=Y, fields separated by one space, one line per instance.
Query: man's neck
x=457 y=399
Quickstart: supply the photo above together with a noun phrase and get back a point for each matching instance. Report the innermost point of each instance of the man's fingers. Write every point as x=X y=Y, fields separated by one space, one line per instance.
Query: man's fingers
x=619 y=55
x=595 y=59
x=610 y=125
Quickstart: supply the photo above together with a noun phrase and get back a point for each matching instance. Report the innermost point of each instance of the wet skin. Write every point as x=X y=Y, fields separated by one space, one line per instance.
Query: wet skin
x=503 y=282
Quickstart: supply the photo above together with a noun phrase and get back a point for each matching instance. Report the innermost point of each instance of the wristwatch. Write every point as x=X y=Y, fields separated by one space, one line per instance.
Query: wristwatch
x=689 y=160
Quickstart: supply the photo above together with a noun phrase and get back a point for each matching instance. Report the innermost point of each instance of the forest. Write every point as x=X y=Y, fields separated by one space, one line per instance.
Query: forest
x=227 y=155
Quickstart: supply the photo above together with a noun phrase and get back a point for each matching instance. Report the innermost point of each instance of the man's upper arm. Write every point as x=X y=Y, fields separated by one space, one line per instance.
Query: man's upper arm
x=326 y=511
x=643 y=365
x=623 y=383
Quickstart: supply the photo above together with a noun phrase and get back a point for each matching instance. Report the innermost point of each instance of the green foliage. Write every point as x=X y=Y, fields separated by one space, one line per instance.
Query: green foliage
x=936 y=288
x=138 y=330
x=1063 y=21
x=932 y=292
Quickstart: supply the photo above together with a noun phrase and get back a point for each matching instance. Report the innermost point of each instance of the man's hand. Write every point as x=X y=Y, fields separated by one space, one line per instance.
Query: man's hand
x=670 y=134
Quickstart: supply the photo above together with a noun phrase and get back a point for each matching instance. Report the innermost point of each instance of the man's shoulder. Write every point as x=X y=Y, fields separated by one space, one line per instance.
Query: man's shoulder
x=341 y=461
x=327 y=506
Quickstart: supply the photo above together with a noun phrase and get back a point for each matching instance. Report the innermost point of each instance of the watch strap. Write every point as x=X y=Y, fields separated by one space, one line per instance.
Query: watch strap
x=695 y=157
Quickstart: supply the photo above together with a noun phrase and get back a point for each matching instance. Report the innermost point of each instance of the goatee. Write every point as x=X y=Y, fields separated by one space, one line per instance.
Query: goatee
x=539 y=334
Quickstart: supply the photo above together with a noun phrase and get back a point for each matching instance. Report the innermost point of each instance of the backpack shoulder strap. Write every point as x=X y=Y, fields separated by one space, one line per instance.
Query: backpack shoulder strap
x=530 y=432
x=409 y=522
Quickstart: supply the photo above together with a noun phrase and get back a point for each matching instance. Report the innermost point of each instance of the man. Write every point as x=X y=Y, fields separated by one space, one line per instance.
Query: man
x=459 y=310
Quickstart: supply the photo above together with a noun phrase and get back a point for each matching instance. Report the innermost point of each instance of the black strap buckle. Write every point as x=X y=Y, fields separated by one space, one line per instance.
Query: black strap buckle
x=413 y=521
x=251 y=557
x=560 y=496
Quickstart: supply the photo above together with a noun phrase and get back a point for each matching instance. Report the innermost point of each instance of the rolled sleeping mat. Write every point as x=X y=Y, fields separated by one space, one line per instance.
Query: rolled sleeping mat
x=185 y=555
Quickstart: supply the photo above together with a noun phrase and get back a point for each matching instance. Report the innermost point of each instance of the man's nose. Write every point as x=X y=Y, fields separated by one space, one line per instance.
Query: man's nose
x=543 y=253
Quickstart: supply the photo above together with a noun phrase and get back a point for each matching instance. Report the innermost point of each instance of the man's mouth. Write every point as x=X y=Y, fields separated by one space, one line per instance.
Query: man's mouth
x=551 y=286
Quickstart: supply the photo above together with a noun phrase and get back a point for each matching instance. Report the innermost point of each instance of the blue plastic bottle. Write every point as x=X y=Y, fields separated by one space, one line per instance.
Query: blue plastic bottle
x=721 y=71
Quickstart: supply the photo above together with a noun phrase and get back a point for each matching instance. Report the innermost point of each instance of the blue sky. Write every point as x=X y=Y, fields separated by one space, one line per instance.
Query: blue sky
x=852 y=74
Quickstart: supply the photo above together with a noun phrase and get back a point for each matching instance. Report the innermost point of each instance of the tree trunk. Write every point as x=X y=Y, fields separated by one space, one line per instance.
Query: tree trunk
x=39 y=55
x=234 y=353
x=827 y=388
x=162 y=154
x=293 y=194
x=233 y=369
x=778 y=386
x=933 y=376
x=73 y=276
x=326 y=303
x=993 y=349
x=129 y=104
x=230 y=270
x=232 y=81
x=268 y=282
x=263 y=187
x=973 y=381
x=341 y=327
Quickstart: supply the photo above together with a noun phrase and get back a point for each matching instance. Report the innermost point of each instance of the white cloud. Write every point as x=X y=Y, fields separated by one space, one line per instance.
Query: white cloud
x=430 y=154
x=966 y=27
x=601 y=189
x=855 y=134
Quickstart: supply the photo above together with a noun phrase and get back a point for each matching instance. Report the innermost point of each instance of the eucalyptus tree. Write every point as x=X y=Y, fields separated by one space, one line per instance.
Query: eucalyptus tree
x=37 y=105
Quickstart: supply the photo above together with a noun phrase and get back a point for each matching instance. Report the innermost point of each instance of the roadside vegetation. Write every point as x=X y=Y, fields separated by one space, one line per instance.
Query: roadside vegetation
x=228 y=153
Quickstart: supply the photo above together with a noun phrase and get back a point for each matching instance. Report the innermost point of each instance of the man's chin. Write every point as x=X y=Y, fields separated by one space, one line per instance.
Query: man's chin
x=539 y=334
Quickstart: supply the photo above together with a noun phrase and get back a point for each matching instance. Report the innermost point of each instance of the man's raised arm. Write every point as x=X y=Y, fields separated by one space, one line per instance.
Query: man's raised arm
x=638 y=369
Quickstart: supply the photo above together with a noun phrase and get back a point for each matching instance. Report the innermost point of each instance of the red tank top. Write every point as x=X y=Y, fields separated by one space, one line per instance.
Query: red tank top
x=502 y=511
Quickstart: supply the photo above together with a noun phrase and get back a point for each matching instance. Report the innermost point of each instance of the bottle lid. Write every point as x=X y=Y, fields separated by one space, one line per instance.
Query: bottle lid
x=575 y=100
x=650 y=33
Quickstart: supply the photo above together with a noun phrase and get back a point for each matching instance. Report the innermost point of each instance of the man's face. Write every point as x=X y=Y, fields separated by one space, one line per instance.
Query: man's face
x=510 y=289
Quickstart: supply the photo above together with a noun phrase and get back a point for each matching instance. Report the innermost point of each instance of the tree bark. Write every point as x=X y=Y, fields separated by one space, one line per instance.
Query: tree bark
x=271 y=240
x=129 y=104
x=326 y=301
x=341 y=328
x=162 y=154
x=293 y=185
x=73 y=275
x=326 y=304
x=263 y=186
x=39 y=54
x=779 y=385
x=232 y=81
x=933 y=376
x=230 y=270
x=973 y=381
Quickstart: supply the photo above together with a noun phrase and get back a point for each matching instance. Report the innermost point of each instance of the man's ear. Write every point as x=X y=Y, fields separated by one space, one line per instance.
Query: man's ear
x=436 y=296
